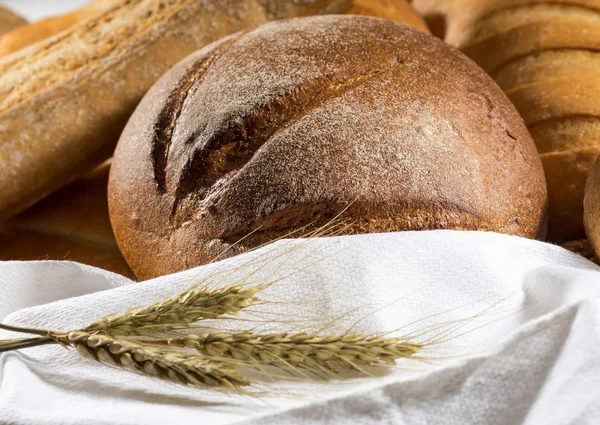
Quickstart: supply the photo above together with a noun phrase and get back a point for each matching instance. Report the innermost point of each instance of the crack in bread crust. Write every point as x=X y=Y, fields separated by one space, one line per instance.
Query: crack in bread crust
x=169 y=115
x=225 y=152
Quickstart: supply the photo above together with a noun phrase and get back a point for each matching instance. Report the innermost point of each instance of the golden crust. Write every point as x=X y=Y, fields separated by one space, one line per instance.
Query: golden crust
x=534 y=38
x=28 y=34
x=394 y=10
x=455 y=20
x=566 y=174
x=591 y=206
x=558 y=135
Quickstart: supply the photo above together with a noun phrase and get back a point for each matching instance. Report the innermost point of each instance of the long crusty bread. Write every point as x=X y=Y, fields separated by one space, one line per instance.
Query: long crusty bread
x=83 y=84
x=28 y=34
x=9 y=20
x=545 y=55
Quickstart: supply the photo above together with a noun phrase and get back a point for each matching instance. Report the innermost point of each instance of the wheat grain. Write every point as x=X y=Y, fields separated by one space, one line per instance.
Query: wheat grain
x=181 y=310
x=180 y=367
x=201 y=302
x=305 y=350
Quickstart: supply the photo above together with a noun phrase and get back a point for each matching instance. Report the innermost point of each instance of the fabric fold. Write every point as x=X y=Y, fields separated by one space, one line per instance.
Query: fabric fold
x=524 y=349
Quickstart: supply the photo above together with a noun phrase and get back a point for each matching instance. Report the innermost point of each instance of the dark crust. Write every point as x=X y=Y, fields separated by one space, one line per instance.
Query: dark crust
x=231 y=147
x=387 y=122
x=168 y=116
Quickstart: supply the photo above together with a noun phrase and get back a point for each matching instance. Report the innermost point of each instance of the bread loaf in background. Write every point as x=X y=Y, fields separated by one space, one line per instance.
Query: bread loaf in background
x=291 y=123
x=72 y=224
x=28 y=34
x=83 y=84
x=9 y=20
x=545 y=55
x=17 y=39
x=394 y=10
x=592 y=208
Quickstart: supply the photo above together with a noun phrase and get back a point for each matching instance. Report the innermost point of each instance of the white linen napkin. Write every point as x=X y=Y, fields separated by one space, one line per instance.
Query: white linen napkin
x=529 y=354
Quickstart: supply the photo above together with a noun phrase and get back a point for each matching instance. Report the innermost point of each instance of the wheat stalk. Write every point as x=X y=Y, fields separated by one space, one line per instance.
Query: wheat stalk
x=133 y=340
x=180 y=367
x=181 y=310
x=200 y=302
x=302 y=349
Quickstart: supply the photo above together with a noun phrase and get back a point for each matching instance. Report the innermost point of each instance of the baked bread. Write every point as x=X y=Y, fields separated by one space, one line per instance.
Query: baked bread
x=9 y=20
x=394 y=10
x=28 y=34
x=545 y=55
x=72 y=224
x=84 y=83
x=582 y=247
x=291 y=123
x=397 y=10
x=591 y=207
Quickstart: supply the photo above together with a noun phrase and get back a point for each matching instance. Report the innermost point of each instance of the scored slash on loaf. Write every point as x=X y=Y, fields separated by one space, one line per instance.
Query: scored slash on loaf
x=285 y=126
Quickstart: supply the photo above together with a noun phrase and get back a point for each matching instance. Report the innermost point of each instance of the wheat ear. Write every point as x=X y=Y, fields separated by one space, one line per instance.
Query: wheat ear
x=196 y=303
x=181 y=310
x=180 y=367
x=304 y=350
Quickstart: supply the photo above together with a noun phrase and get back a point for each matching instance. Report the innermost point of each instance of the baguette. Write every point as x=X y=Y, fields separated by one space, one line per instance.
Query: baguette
x=545 y=55
x=28 y=34
x=84 y=83
x=17 y=39
x=9 y=20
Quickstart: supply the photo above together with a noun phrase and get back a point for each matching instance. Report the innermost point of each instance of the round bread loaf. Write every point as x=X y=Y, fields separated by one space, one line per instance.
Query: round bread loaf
x=289 y=124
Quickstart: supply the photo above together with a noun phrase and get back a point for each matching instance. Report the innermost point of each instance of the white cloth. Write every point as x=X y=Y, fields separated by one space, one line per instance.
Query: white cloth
x=529 y=355
x=35 y=10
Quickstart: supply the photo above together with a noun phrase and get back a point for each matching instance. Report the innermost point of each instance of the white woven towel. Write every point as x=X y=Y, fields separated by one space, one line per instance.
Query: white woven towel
x=529 y=356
